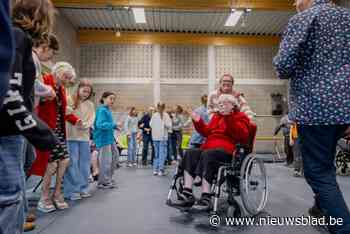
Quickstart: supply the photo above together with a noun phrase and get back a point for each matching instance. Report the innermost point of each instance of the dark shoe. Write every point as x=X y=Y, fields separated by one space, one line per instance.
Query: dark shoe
x=186 y=199
x=315 y=211
x=204 y=202
x=95 y=177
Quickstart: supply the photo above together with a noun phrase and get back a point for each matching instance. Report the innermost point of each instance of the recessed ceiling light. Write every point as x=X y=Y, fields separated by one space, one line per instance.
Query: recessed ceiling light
x=234 y=18
x=139 y=14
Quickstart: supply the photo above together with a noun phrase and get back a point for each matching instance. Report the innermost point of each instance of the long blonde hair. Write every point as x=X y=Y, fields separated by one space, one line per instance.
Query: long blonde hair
x=82 y=83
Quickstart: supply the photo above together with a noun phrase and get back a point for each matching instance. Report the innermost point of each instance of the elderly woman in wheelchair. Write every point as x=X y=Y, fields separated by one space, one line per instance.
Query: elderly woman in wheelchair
x=229 y=139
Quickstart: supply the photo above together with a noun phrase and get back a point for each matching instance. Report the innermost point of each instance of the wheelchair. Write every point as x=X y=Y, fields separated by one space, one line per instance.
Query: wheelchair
x=342 y=158
x=245 y=177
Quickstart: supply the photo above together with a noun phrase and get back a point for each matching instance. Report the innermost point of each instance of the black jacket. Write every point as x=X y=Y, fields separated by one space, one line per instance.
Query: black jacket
x=145 y=120
x=17 y=117
x=6 y=48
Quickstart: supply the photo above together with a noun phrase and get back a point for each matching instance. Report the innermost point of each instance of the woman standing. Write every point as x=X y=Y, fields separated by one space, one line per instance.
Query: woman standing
x=160 y=125
x=131 y=123
x=54 y=113
x=76 y=180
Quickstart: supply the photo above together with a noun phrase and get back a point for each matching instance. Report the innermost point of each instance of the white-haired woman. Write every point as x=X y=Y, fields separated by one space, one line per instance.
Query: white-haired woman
x=226 y=128
x=54 y=113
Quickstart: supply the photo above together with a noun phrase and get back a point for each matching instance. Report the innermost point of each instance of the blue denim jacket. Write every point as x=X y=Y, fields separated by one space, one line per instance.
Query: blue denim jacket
x=315 y=55
x=104 y=127
x=197 y=138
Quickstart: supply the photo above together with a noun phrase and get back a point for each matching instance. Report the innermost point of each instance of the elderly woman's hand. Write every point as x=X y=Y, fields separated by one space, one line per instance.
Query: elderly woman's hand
x=195 y=116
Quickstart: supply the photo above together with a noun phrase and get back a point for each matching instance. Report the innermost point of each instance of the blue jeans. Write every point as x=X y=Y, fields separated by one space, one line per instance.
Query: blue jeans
x=76 y=178
x=318 y=147
x=160 y=148
x=132 y=147
x=12 y=184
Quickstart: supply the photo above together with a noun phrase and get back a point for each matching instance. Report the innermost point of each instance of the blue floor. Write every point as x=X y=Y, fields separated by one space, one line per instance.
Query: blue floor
x=138 y=207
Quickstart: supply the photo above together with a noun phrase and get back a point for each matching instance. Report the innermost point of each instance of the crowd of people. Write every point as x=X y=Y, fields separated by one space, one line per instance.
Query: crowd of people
x=48 y=132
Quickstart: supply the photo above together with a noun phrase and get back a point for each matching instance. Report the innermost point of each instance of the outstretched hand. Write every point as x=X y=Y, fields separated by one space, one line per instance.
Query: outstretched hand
x=195 y=116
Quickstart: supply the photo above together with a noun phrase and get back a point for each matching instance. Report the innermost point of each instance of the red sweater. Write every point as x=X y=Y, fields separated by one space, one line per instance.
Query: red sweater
x=47 y=111
x=224 y=131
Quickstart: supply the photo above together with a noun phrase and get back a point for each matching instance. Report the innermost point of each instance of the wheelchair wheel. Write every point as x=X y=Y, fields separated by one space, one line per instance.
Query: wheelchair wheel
x=253 y=185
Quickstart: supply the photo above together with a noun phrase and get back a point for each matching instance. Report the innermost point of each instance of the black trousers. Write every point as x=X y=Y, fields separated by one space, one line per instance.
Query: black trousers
x=288 y=151
x=209 y=162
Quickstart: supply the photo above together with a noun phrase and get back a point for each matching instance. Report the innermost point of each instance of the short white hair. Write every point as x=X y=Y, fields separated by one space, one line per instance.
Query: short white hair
x=229 y=98
x=61 y=68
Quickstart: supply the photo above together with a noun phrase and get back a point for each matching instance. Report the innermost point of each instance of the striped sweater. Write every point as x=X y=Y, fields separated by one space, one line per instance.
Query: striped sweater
x=213 y=103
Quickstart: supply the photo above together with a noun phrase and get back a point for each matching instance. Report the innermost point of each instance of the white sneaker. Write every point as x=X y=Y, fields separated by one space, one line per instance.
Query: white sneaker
x=160 y=173
x=155 y=173
x=135 y=164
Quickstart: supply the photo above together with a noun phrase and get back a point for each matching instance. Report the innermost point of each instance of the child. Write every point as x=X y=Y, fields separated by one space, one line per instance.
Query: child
x=131 y=123
x=76 y=180
x=294 y=143
x=103 y=135
x=160 y=125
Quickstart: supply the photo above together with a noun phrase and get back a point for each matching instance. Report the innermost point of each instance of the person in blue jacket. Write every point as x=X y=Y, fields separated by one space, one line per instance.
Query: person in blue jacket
x=103 y=135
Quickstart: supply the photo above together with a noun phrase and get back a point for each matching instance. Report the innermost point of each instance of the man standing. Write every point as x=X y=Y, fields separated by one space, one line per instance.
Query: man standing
x=315 y=55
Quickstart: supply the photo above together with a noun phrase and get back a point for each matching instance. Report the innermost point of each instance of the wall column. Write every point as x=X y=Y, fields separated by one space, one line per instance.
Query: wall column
x=211 y=69
x=156 y=74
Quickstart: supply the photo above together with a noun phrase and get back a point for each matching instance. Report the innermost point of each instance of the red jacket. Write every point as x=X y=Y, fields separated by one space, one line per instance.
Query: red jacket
x=224 y=131
x=47 y=111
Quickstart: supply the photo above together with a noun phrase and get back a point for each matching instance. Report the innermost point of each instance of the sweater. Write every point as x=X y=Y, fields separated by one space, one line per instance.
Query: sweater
x=224 y=131
x=17 y=114
x=160 y=126
x=85 y=112
x=131 y=124
x=213 y=103
x=104 y=127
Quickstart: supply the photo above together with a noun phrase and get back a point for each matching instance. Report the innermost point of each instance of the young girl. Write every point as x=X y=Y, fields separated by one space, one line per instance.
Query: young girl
x=131 y=131
x=54 y=113
x=104 y=127
x=76 y=180
x=160 y=125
